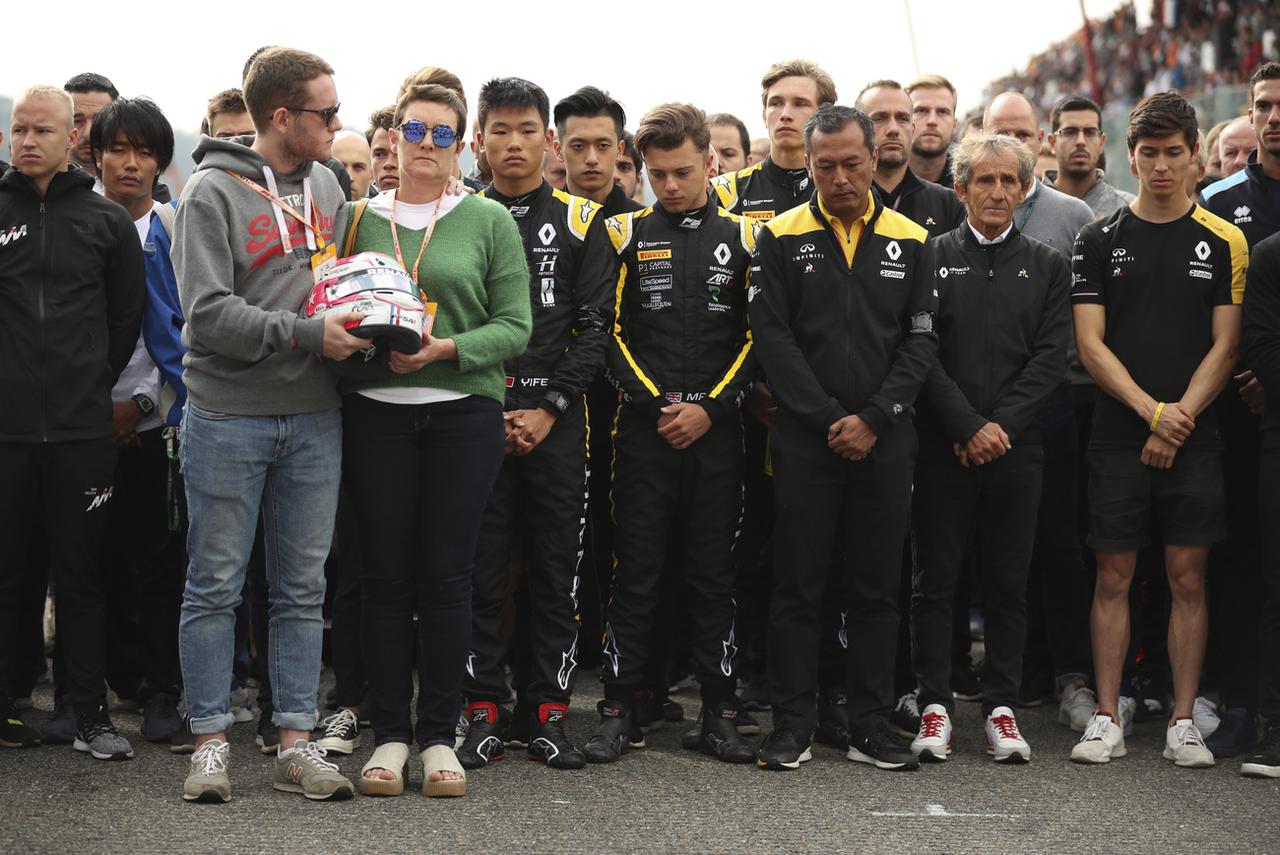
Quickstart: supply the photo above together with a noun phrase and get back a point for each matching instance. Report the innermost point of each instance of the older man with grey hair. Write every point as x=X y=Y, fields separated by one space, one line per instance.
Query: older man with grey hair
x=1002 y=325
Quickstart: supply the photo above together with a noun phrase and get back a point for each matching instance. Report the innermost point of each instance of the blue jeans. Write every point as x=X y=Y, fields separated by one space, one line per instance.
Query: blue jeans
x=287 y=468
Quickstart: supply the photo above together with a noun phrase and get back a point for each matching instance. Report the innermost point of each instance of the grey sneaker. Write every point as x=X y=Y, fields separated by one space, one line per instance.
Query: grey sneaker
x=303 y=769
x=98 y=737
x=207 y=779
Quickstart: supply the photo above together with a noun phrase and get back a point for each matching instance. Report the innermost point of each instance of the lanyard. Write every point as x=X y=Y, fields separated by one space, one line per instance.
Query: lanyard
x=281 y=208
x=1030 y=208
x=426 y=237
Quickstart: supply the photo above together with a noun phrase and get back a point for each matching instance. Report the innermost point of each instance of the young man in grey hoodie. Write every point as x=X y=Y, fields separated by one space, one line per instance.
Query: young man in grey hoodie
x=262 y=432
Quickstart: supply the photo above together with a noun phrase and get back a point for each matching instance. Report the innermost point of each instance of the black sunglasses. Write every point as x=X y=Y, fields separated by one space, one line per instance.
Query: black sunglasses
x=327 y=115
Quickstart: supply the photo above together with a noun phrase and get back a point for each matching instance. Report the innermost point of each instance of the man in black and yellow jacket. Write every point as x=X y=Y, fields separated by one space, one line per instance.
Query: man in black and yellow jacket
x=681 y=358
x=842 y=306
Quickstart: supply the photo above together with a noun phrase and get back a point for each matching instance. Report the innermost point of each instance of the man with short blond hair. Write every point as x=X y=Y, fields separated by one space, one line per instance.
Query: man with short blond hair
x=933 y=109
x=226 y=117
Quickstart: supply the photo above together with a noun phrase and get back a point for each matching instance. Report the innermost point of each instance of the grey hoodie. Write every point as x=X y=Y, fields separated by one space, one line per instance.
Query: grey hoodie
x=250 y=353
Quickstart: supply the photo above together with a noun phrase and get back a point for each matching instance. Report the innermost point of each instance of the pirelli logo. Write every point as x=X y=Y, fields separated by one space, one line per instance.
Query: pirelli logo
x=758 y=215
x=652 y=254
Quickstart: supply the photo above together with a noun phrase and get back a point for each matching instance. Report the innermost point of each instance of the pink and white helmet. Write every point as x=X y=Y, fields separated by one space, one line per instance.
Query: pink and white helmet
x=378 y=287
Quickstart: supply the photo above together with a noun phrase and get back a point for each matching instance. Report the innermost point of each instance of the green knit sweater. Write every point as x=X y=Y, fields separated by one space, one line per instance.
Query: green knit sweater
x=474 y=269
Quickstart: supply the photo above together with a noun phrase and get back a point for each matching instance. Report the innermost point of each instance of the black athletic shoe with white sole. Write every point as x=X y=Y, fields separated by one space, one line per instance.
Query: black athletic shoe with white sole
x=1264 y=762
x=882 y=749
x=783 y=750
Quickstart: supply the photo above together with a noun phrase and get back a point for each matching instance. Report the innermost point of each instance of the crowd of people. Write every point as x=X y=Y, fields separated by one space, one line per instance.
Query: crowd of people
x=1192 y=46
x=799 y=429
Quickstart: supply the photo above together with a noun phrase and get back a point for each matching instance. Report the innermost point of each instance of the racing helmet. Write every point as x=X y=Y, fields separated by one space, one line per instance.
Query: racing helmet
x=378 y=287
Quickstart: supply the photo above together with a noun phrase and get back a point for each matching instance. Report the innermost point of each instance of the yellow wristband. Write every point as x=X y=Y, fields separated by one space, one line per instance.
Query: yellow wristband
x=1155 y=420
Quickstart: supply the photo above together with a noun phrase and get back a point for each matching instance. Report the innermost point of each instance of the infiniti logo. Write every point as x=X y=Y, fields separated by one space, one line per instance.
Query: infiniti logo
x=808 y=247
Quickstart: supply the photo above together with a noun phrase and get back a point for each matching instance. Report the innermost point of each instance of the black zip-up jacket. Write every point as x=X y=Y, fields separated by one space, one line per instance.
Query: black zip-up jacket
x=73 y=283
x=1249 y=200
x=571 y=268
x=1004 y=316
x=1261 y=329
x=763 y=190
x=618 y=203
x=836 y=339
x=680 y=332
x=933 y=206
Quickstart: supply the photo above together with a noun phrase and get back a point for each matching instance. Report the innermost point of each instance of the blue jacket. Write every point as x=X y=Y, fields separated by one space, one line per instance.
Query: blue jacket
x=162 y=318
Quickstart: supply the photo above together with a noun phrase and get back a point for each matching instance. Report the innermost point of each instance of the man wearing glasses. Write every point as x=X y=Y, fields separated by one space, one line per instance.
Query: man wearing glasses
x=1077 y=140
x=262 y=432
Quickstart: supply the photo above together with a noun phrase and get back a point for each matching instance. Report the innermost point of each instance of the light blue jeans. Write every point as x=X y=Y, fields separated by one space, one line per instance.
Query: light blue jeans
x=287 y=468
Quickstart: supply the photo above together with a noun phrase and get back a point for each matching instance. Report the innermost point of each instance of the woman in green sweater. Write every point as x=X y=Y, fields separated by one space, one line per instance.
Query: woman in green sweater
x=421 y=449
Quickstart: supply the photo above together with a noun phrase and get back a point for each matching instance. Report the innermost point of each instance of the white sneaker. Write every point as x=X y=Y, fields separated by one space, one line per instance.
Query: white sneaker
x=1103 y=741
x=1205 y=714
x=1128 y=706
x=1004 y=743
x=1077 y=707
x=933 y=742
x=1184 y=745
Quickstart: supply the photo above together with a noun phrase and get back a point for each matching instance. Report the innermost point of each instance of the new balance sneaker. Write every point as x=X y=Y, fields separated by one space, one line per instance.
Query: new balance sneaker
x=98 y=737
x=1184 y=745
x=1264 y=762
x=933 y=739
x=486 y=722
x=905 y=717
x=833 y=719
x=268 y=738
x=1204 y=713
x=783 y=750
x=1236 y=734
x=1103 y=741
x=618 y=733
x=882 y=749
x=719 y=734
x=549 y=742
x=60 y=728
x=160 y=719
x=1004 y=742
x=341 y=732
x=303 y=769
x=207 y=779
x=1077 y=706
x=15 y=734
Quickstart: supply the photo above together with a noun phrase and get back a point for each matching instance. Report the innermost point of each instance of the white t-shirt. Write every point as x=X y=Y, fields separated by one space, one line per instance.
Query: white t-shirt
x=416 y=217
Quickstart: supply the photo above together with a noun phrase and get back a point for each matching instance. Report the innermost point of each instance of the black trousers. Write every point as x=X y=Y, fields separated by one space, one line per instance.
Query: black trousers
x=342 y=571
x=997 y=502
x=1058 y=644
x=540 y=502
x=146 y=567
x=660 y=493
x=597 y=578
x=753 y=557
x=63 y=488
x=824 y=505
x=1269 y=628
x=419 y=476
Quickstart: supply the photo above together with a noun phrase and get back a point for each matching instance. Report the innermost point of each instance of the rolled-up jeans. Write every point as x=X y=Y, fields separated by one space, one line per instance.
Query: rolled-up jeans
x=287 y=468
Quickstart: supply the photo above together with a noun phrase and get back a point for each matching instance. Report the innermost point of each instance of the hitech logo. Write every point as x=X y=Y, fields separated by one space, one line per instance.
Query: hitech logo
x=14 y=233
x=98 y=496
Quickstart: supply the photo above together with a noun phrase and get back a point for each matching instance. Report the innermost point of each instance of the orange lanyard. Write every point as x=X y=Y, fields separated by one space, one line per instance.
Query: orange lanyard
x=426 y=237
x=281 y=208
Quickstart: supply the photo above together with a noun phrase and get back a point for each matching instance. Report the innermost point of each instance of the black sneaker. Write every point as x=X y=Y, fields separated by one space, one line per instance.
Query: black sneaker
x=15 y=734
x=883 y=750
x=268 y=737
x=60 y=728
x=98 y=737
x=483 y=744
x=782 y=749
x=518 y=727
x=1264 y=762
x=833 y=719
x=617 y=734
x=719 y=735
x=341 y=732
x=966 y=684
x=160 y=719
x=905 y=717
x=1235 y=735
x=549 y=743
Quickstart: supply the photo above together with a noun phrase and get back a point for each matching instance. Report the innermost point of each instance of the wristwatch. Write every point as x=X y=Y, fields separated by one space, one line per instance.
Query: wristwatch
x=145 y=404
x=555 y=402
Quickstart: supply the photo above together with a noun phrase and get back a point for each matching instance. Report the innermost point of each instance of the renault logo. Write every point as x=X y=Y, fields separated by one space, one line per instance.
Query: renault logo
x=893 y=250
x=722 y=253
x=546 y=234
x=1202 y=250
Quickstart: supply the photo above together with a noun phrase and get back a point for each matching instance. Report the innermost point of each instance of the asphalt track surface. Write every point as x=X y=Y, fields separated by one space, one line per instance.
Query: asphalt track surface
x=661 y=799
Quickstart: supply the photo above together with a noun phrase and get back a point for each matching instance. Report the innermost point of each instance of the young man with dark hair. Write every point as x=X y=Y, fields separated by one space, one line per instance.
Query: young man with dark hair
x=62 y=246
x=933 y=110
x=589 y=128
x=226 y=117
x=386 y=171
x=539 y=498
x=132 y=145
x=628 y=171
x=90 y=92
x=731 y=141
x=1157 y=319
x=681 y=356
x=1077 y=140
x=262 y=411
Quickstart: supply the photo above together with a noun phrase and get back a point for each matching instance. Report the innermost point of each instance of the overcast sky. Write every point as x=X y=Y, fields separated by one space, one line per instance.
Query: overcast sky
x=645 y=52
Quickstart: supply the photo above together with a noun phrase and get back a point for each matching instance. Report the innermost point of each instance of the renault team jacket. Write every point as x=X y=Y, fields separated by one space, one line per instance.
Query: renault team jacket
x=680 y=331
x=836 y=339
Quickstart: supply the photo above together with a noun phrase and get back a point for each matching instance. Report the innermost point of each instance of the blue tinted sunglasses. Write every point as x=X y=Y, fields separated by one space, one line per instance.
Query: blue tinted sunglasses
x=415 y=131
